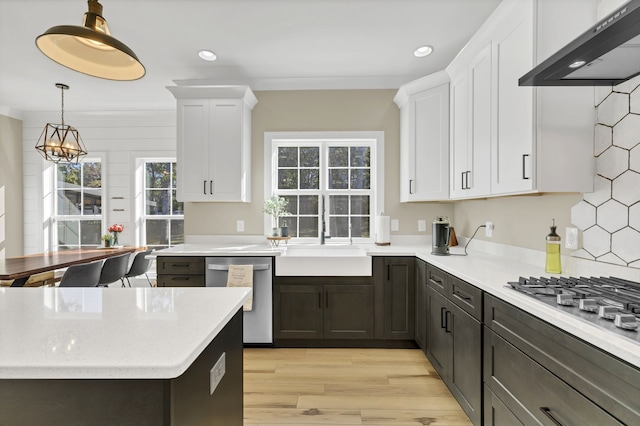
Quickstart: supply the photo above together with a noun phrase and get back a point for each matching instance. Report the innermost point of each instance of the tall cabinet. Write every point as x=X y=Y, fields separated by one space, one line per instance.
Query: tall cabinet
x=214 y=143
x=508 y=139
x=424 y=138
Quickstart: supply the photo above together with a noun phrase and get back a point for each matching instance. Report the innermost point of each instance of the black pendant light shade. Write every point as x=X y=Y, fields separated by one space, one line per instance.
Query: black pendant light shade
x=61 y=143
x=90 y=49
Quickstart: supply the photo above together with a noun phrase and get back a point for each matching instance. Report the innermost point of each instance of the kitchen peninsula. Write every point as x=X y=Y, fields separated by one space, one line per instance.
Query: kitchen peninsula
x=96 y=356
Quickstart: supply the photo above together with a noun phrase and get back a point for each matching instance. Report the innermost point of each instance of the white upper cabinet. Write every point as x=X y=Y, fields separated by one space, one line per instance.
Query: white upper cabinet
x=509 y=139
x=424 y=138
x=471 y=128
x=214 y=143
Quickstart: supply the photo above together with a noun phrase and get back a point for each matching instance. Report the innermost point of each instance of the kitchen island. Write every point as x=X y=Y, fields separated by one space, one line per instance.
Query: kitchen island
x=121 y=356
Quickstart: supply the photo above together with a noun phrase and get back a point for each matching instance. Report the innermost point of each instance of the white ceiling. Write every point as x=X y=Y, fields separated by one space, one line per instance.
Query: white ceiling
x=267 y=44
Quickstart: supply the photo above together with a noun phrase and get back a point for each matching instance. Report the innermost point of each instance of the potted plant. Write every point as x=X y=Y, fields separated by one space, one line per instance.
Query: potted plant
x=106 y=239
x=277 y=207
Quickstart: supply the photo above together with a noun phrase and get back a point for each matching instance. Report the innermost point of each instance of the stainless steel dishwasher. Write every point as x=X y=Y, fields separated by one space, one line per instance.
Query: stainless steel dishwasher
x=258 y=327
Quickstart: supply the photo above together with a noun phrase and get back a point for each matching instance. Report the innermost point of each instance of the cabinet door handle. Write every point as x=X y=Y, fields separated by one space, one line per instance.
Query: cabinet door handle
x=446 y=321
x=461 y=295
x=547 y=412
x=462 y=180
x=388 y=272
x=443 y=314
x=410 y=186
x=524 y=161
x=211 y=187
x=468 y=173
x=204 y=187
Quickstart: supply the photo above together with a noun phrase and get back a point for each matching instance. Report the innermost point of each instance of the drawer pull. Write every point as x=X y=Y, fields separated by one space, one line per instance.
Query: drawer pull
x=436 y=280
x=180 y=279
x=547 y=412
x=180 y=265
x=443 y=314
x=461 y=295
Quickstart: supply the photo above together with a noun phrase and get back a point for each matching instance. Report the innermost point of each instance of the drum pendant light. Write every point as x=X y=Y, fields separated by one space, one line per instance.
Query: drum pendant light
x=90 y=49
x=61 y=143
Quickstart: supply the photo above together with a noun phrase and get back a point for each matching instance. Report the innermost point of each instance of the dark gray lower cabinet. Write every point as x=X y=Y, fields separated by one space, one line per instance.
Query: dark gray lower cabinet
x=396 y=276
x=421 y=304
x=496 y=413
x=454 y=347
x=545 y=376
x=323 y=311
x=180 y=271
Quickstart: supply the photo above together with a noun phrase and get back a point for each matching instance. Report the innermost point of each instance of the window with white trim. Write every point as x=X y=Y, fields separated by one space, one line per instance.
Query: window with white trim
x=78 y=204
x=163 y=215
x=338 y=171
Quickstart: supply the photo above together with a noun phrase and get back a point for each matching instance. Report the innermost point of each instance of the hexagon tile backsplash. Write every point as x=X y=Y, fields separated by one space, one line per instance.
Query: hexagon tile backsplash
x=609 y=217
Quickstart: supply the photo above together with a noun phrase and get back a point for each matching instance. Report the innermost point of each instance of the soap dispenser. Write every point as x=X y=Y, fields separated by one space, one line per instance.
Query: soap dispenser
x=553 y=264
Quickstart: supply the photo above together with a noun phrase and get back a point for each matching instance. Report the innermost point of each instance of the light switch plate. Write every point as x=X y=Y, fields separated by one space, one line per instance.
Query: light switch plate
x=422 y=226
x=240 y=226
x=217 y=373
x=395 y=224
x=571 y=238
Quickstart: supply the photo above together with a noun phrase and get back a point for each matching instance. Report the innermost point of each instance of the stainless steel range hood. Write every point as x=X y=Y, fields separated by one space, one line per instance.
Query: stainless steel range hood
x=605 y=55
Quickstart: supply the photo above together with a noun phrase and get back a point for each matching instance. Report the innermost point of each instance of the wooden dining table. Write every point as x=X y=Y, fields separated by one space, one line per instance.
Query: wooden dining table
x=21 y=268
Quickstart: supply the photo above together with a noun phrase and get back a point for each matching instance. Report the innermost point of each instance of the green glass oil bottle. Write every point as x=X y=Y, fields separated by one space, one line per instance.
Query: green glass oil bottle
x=553 y=264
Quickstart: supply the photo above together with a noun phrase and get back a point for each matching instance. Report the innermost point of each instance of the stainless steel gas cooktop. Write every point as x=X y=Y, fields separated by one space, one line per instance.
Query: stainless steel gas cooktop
x=611 y=303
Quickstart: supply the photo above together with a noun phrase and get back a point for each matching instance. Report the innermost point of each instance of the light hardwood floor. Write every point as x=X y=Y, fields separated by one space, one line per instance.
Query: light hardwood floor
x=320 y=387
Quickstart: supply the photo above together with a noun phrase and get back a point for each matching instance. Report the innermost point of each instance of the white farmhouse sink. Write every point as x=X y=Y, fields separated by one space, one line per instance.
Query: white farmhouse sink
x=323 y=260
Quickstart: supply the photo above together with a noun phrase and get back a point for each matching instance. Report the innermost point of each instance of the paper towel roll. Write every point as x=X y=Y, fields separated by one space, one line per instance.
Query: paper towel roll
x=383 y=230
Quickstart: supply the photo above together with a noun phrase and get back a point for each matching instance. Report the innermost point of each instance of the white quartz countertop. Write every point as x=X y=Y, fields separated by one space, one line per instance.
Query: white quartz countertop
x=221 y=250
x=109 y=333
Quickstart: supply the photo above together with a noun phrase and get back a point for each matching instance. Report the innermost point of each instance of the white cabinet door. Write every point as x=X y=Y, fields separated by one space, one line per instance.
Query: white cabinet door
x=429 y=144
x=226 y=148
x=213 y=150
x=512 y=141
x=459 y=136
x=193 y=181
x=478 y=177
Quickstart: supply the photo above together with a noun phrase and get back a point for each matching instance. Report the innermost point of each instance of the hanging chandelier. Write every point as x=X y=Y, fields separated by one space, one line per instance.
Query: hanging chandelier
x=90 y=49
x=61 y=142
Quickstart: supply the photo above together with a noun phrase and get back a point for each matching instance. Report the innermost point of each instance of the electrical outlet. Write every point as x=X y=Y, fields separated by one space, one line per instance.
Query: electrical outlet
x=488 y=230
x=217 y=373
x=422 y=226
x=571 y=238
x=240 y=226
x=395 y=224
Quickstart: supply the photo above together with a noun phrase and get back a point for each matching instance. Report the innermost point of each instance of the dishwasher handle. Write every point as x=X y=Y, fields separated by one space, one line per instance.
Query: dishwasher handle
x=218 y=267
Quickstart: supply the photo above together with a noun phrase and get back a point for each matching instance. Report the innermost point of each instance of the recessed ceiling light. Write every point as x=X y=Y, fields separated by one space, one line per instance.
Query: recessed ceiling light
x=423 y=51
x=207 y=55
x=577 y=64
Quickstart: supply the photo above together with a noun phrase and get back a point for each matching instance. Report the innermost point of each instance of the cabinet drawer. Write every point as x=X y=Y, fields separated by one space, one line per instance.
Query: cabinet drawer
x=531 y=392
x=467 y=297
x=612 y=384
x=438 y=279
x=180 y=280
x=180 y=265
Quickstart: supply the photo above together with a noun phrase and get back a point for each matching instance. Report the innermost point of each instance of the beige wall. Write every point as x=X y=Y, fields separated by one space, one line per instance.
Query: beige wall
x=520 y=221
x=321 y=110
x=11 y=211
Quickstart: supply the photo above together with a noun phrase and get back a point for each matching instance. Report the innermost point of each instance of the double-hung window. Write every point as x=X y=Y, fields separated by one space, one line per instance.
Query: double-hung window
x=78 y=204
x=163 y=218
x=330 y=178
